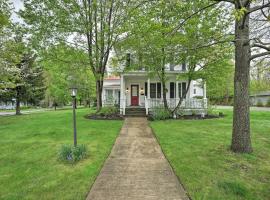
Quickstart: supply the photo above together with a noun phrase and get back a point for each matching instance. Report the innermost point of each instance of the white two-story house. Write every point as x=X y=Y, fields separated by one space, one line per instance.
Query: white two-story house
x=136 y=89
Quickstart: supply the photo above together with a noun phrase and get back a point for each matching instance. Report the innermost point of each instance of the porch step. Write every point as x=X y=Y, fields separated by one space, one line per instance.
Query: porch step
x=135 y=112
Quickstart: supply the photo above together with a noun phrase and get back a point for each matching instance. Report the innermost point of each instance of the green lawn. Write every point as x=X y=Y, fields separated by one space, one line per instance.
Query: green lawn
x=199 y=153
x=29 y=168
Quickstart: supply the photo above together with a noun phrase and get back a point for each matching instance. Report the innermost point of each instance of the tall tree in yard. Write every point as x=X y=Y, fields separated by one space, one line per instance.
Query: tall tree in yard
x=94 y=26
x=243 y=9
x=158 y=42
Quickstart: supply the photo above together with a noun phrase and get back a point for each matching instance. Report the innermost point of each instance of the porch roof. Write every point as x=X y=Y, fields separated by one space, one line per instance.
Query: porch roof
x=145 y=73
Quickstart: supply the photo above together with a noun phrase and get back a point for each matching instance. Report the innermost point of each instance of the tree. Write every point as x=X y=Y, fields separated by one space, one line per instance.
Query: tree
x=64 y=68
x=243 y=9
x=94 y=26
x=220 y=81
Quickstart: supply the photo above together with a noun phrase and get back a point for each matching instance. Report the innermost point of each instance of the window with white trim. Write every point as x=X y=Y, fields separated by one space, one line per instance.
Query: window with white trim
x=155 y=90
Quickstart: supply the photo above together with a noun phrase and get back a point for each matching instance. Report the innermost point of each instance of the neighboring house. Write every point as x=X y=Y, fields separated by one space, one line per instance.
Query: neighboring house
x=260 y=98
x=7 y=105
x=134 y=89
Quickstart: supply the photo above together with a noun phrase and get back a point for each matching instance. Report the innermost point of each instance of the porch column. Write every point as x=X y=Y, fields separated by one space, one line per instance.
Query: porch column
x=122 y=94
x=177 y=93
x=204 y=95
x=204 y=89
x=147 y=103
x=114 y=96
x=148 y=88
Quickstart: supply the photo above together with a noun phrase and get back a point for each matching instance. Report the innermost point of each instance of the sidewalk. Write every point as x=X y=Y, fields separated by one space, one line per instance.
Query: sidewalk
x=136 y=168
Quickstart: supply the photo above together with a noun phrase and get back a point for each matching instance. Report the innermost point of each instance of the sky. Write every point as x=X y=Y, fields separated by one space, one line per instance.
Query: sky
x=18 y=4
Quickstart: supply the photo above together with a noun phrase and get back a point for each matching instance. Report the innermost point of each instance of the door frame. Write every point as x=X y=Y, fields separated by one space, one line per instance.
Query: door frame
x=138 y=87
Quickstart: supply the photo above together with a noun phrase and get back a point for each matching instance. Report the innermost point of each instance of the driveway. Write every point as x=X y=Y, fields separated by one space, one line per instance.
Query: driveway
x=251 y=108
x=136 y=168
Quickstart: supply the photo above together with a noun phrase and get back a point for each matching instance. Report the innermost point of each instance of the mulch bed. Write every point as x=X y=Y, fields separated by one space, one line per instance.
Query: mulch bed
x=103 y=117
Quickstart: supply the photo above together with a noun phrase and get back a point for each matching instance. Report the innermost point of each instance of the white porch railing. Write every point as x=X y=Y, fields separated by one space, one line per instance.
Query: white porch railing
x=172 y=103
x=110 y=101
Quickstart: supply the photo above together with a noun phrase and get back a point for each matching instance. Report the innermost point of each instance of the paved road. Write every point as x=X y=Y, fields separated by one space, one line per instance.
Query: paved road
x=23 y=112
x=251 y=108
x=136 y=168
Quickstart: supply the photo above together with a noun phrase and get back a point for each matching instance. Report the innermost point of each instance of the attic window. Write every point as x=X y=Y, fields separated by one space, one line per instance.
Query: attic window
x=128 y=60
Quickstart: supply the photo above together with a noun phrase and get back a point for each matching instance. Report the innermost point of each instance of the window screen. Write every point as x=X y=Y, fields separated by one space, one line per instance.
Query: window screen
x=153 y=90
x=159 y=90
x=172 y=86
x=180 y=90
x=184 y=87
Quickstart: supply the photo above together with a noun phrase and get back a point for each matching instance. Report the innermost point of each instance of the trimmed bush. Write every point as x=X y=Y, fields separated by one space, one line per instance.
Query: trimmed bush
x=161 y=114
x=72 y=154
x=108 y=111
x=259 y=103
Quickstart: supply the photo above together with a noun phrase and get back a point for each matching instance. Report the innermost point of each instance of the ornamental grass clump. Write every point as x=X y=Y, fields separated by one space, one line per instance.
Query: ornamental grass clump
x=72 y=154
x=161 y=114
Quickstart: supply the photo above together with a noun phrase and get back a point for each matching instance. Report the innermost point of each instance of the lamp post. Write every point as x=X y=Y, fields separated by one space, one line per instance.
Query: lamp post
x=73 y=95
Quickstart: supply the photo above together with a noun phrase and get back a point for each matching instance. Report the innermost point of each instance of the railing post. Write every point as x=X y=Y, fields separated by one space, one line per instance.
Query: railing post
x=146 y=105
x=124 y=106
x=204 y=96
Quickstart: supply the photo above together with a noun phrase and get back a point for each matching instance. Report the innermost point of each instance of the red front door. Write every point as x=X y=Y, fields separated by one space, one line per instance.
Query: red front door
x=134 y=95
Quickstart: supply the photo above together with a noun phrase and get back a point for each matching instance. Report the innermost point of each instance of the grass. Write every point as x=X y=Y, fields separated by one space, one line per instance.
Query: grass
x=29 y=168
x=198 y=150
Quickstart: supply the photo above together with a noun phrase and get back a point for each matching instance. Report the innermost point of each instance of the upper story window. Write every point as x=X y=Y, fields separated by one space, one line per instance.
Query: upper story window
x=184 y=66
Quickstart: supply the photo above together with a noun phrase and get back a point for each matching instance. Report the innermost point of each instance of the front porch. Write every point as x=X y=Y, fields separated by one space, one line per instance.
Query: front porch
x=138 y=90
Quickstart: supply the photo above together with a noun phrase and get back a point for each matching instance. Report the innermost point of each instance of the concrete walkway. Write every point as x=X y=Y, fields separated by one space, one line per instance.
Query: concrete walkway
x=136 y=168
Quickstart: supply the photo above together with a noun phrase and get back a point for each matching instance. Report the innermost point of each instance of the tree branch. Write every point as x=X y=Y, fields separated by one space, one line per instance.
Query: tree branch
x=260 y=55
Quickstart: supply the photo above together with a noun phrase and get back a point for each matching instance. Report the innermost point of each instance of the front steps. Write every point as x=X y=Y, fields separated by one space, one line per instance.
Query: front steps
x=135 y=112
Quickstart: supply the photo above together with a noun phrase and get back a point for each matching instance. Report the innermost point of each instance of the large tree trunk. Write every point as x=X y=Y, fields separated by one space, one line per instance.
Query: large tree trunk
x=241 y=141
x=18 y=101
x=99 y=86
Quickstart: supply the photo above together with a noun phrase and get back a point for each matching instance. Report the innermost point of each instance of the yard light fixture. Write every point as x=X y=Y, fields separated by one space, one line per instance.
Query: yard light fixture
x=73 y=95
x=73 y=92
x=127 y=90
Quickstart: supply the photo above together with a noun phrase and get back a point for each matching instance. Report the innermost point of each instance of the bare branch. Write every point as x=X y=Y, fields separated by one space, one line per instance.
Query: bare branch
x=260 y=55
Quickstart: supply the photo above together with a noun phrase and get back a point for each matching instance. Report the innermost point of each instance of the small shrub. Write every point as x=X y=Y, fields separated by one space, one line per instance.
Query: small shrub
x=268 y=103
x=161 y=114
x=259 y=103
x=108 y=111
x=72 y=154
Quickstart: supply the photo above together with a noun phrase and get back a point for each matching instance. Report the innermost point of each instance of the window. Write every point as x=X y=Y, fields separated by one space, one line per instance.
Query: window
x=184 y=88
x=155 y=90
x=181 y=89
x=184 y=66
x=109 y=94
x=194 y=91
x=128 y=60
x=159 y=90
x=172 y=90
